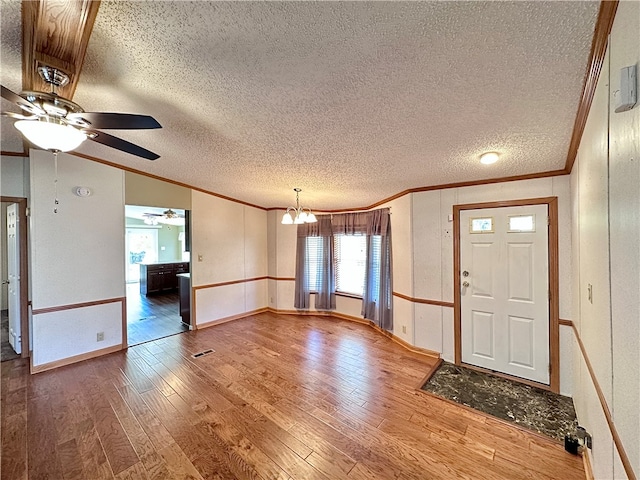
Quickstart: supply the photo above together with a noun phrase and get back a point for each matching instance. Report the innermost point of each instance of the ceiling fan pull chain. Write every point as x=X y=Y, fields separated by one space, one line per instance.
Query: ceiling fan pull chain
x=55 y=182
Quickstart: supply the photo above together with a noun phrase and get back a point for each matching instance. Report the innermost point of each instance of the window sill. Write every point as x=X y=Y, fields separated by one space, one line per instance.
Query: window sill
x=349 y=295
x=342 y=294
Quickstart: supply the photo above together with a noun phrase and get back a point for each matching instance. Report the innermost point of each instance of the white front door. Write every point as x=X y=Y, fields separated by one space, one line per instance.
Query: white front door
x=504 y=276
x=13 y=270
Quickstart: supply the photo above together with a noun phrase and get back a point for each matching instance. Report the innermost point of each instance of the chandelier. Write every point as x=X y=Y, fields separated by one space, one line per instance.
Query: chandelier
x=297 y=215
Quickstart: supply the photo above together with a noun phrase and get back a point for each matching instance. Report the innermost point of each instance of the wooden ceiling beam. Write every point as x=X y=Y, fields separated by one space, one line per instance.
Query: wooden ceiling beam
x=55 y=33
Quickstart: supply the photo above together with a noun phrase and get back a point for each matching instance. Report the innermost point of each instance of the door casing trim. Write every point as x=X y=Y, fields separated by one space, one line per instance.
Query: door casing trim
x=554 y=288
x=24 y=272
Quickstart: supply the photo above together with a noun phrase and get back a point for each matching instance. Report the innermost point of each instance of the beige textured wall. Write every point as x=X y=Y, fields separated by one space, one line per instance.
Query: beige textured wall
x=606 y=229
x=14 y=176
x=624 y=221
x=229 y=243
x=76 y=256
x=141 y=190
x=593 y=319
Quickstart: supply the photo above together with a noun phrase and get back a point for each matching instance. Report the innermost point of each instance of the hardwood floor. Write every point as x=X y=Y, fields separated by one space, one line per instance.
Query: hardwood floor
x=151 y=317
x=280 y=397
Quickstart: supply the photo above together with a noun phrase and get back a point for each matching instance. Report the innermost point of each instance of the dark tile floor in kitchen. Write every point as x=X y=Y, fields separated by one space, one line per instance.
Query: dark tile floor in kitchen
x=152 y=317
x=534 y=408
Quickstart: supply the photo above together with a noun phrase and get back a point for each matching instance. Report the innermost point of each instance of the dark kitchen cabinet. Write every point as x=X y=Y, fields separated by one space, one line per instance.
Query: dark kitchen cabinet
x=160 y=277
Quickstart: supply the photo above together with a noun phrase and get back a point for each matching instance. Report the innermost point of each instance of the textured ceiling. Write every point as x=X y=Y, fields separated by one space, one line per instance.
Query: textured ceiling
x=351 y=101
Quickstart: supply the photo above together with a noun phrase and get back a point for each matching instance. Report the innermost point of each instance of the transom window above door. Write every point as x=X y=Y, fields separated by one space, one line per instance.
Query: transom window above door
x=481 y=225
x=522 y=223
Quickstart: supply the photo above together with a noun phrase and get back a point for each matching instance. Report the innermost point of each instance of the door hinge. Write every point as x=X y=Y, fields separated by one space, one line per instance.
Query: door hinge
x=549 y=369
x=27 y=212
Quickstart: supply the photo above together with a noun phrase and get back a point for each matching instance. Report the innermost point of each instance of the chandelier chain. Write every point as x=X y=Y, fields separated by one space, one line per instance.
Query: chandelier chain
x=55 y=182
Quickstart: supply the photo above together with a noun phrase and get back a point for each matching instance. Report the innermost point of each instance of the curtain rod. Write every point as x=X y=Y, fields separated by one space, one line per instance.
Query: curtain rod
x=322 y=212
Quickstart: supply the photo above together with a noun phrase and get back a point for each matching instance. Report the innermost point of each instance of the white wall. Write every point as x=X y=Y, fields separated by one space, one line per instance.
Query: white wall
x=14 y=176
x=151 y=192
x=606 y=229
x=403 y=271
x=229 y=244
x=77 y=256
x=624 y=222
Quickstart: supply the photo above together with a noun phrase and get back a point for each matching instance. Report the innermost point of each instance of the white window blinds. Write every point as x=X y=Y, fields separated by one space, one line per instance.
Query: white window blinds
x=350 y=258
x=314 y=257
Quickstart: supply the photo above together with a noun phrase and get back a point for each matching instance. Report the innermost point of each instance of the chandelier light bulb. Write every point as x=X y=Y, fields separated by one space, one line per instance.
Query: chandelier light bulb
x=286 y=219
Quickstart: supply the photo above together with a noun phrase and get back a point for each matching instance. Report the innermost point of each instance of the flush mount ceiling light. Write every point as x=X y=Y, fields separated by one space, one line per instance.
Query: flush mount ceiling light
x=299 y=213
x=489 y=157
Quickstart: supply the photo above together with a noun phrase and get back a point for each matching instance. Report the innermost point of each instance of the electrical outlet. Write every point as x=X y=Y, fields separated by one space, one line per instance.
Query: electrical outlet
x=404 y=329
x=100 y=337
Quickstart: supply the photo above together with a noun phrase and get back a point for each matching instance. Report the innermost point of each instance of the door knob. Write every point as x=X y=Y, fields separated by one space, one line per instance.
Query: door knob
x=465 y=274
x=5 y=283
x=465 y=284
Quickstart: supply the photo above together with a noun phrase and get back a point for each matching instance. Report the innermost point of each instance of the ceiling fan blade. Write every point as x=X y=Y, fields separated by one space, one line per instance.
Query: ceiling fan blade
x=21 y=102
x=17 y=116
x=120 y=144
x=11 y=96
x=120 y=121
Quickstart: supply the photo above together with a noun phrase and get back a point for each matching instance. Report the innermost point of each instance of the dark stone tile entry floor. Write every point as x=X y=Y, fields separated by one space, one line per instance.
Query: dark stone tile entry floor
x=536 y=409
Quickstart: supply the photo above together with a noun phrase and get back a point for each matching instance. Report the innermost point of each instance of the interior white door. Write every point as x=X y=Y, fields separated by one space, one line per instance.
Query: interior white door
x=504 y=276
x=13 y=270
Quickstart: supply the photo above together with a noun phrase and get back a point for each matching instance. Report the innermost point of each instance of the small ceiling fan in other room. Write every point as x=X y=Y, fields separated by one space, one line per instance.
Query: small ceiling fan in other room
x=54 y=123
x=168 y=216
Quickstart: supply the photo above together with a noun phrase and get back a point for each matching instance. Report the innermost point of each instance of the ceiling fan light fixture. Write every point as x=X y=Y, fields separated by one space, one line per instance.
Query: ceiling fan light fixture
x=489 y=157
x=51 y=135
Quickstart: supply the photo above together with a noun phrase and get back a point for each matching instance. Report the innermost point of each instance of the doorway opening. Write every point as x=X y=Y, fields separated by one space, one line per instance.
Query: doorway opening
x=157 y=266
x=14 y=328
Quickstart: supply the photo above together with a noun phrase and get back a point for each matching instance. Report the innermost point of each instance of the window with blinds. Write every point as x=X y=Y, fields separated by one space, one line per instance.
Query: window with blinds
x=350 y=259
x=314 y=257
x=376 y=253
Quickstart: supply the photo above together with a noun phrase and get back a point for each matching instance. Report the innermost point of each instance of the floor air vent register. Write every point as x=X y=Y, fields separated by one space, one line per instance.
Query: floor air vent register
x=203 y=353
